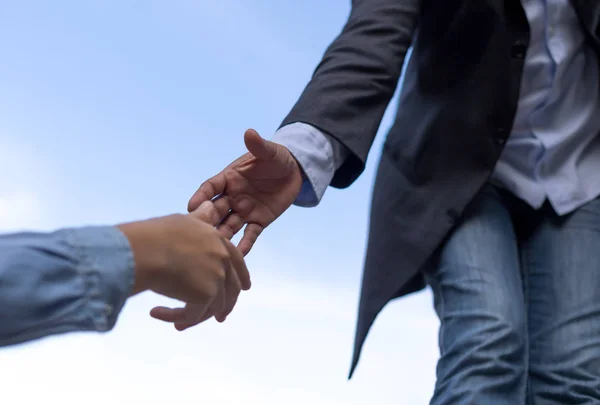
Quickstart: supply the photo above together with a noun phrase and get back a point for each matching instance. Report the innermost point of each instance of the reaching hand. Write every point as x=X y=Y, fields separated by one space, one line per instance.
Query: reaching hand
x=185 y=258
x=260 y=186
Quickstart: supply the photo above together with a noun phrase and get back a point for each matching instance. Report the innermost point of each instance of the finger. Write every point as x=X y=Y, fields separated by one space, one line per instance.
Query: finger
x=194 y=314
x=251 y=234
x=258 y=146
x=168 y=314
x=181 y=326
x=233 y=288
x=213 y=212
x=239 y=265
x=207 y=191
x=231 y=225
x=191 y=313
x=220 y=301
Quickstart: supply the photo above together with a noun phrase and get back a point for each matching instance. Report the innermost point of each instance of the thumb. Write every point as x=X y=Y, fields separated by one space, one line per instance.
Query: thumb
x=259 y=147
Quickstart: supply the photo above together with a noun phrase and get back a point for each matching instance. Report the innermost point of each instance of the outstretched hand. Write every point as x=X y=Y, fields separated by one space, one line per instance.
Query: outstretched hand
x=185 y=258
x=260 y=185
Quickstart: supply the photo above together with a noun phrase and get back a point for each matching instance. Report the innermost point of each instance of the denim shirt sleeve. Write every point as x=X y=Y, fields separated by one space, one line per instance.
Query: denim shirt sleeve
x=319 y=156
x=65 y=281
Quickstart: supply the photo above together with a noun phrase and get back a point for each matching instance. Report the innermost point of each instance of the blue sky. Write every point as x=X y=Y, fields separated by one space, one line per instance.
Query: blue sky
x=112 y=111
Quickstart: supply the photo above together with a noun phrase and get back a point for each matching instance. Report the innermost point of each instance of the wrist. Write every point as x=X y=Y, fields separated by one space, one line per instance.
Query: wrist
x=148 y=253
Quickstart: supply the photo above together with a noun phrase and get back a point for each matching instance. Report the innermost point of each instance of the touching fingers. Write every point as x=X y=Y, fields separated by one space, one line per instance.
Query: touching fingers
x=213 y=212
x=207 y=191
x=231 y=225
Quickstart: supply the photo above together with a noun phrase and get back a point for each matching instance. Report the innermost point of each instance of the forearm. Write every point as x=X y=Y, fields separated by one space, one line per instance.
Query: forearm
x=64 y=281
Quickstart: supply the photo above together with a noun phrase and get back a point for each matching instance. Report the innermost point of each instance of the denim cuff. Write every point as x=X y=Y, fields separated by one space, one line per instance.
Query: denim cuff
x=106 y=264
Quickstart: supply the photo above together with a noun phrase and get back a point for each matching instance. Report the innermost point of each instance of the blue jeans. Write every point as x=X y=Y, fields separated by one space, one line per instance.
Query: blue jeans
x=517 y=292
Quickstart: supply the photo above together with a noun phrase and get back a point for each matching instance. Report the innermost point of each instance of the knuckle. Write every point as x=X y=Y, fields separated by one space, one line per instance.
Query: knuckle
x=221 y=245
x=206 y=293
x=220 y=274
x=178 y=216
x=206 y=185
x=178 y=219
x=222 y=257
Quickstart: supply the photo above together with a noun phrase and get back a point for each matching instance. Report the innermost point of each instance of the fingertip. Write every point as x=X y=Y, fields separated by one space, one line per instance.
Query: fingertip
x=251 y=133
x=204 y=212
x=252 y=138
x=167 y=314
x=246 y=283
x=159 y=312
x=193 y=204
x=251 y=234
x=257 y=146
x=244 y=247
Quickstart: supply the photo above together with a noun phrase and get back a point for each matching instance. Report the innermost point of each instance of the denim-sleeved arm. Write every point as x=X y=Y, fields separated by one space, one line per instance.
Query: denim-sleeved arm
x=318 y=154
x=65 y=281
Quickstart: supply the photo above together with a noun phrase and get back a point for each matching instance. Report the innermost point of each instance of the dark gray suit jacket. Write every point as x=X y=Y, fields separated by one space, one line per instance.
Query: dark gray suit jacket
x=455 y=112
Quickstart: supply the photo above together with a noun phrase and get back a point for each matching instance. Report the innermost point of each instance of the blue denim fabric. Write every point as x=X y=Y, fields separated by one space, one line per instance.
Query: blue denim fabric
x=517 y=292
x=64 y=281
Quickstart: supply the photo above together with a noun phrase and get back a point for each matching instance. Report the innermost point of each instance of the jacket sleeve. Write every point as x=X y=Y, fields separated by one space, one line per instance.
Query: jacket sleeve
x=357 y=77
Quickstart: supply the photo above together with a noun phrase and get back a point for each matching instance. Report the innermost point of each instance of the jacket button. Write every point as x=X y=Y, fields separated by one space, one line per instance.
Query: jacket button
x=518 y=50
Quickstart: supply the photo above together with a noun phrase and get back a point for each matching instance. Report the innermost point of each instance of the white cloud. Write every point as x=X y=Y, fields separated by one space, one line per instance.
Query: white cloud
x=19 y=209
x=285 y=343
x=289 y=341
x=24 y=184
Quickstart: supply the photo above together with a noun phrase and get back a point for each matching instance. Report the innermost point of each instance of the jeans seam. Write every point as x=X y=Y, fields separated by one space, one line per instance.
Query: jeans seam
x=525 y=277
x=438 y=292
